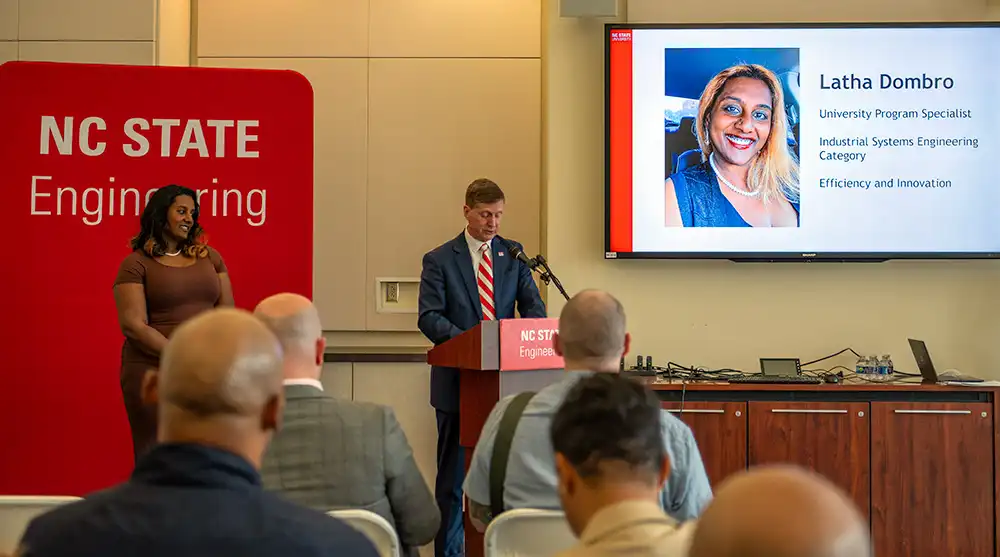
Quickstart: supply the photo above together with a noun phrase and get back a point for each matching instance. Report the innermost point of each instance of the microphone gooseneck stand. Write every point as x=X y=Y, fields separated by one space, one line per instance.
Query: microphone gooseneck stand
x=548 y=276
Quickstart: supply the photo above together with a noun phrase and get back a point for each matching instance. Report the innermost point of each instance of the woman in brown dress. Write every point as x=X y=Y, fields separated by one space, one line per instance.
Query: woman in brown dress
x=170 y=276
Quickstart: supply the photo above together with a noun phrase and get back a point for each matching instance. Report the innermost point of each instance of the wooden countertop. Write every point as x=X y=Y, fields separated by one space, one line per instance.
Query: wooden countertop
x=658 y=384
x=676 y=390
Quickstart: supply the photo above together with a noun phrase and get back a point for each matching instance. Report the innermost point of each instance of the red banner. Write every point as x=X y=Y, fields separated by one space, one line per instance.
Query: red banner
x=526 y=344
x=82 y=148
x=620 y=141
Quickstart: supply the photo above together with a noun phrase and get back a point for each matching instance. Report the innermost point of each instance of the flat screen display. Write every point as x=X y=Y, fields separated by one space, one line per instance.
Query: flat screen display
x=802 y=142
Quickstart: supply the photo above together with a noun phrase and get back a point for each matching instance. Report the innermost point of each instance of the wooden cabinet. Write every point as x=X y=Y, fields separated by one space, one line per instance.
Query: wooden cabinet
x=932 y=479
x=921 y=461
x=831 y=438
x=720 y=428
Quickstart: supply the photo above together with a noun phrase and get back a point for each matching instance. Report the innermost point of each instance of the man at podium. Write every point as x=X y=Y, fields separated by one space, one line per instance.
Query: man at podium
x=470 y=278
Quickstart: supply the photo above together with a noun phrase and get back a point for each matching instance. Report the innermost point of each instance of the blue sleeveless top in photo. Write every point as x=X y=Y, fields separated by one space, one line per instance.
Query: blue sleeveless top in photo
x=701 y=201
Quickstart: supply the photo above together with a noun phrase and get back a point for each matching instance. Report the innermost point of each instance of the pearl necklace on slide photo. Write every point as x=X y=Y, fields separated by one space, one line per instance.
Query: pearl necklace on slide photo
x=728 y=184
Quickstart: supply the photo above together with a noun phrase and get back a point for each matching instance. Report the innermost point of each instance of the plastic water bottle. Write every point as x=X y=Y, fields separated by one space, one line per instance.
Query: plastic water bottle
x=877 y=368
x=881 y=368
x=887 y=368
x=862 y=367
x=871 y=368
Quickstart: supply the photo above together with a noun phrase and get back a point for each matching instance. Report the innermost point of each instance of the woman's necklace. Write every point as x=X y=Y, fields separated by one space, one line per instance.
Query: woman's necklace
x=744 y=193
x=178 y=252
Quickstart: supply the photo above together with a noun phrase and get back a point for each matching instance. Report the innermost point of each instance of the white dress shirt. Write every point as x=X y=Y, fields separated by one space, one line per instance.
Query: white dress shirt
x=306 y=382
x=474 y=250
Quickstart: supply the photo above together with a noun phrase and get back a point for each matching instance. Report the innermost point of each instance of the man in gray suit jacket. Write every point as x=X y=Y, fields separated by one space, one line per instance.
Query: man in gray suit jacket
x=337 y=454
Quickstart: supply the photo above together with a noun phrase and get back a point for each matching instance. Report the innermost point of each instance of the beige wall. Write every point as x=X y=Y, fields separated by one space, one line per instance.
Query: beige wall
x=95 y=31
x=8 y=30
x=721 y=314
x=413 y=101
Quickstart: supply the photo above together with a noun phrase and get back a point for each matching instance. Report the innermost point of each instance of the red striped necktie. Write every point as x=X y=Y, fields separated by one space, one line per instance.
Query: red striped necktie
x=484 y=276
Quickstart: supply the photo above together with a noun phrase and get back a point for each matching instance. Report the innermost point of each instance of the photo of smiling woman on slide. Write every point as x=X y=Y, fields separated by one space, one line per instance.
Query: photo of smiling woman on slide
x=749 y=173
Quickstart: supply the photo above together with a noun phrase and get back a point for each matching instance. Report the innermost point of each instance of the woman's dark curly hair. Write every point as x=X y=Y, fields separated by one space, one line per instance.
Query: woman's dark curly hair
x=153 y=223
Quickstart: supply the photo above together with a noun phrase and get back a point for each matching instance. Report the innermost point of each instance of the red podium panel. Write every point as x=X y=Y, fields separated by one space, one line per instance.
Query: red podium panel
x=526 y=344
x=496 y=359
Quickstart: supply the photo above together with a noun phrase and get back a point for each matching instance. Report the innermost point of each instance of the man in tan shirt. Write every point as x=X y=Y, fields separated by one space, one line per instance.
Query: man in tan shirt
x=612 y=463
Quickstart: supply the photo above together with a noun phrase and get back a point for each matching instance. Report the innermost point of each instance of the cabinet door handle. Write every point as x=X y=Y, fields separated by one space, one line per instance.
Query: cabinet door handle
x=696 y=411
x=932 y=411
x=807 y=411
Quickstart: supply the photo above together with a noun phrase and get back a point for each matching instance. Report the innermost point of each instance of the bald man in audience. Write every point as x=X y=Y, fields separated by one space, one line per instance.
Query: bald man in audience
x=592 y=338
x=337 y=454
x=198 y=492
x=781 y=512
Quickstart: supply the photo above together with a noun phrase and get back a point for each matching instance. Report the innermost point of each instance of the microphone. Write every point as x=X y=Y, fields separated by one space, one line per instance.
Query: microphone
x=519 y=254
x=534 y=263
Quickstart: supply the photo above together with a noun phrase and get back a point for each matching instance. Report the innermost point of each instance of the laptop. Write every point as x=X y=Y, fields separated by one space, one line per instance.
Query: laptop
x=926 y=366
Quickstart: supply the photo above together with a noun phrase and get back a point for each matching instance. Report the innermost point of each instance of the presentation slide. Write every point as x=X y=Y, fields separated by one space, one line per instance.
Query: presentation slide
x=821 y=141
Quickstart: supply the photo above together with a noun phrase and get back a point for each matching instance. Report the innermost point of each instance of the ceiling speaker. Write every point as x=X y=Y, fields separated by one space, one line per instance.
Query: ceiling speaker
x=588 y=8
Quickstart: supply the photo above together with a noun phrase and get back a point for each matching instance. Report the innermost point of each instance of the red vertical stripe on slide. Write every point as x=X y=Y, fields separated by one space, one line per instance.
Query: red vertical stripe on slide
x=620 y=137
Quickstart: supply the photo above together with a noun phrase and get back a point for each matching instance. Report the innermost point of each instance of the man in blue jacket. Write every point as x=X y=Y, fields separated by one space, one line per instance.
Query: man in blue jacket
x=471 y=278
x=198 y=492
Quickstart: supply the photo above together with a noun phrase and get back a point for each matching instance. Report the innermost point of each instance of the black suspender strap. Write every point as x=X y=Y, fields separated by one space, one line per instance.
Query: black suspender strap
x=501 y=449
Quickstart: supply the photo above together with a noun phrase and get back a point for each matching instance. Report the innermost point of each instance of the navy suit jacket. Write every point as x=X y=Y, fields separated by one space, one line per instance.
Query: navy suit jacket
x=191 y=501
x=449 y=302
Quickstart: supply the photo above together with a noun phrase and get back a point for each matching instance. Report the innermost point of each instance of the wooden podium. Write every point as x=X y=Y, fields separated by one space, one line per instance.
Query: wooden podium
x=496 y=359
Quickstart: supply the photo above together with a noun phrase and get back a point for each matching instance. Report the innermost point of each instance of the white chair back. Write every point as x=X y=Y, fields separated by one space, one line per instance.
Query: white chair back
x=17 y=511
x=376 y=528
x=528 y=533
